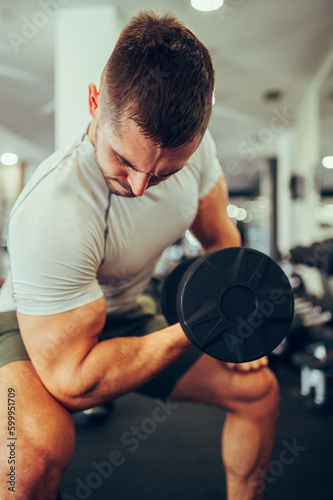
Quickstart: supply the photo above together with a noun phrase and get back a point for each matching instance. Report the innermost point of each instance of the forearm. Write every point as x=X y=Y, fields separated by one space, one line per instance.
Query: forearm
x=114 y=367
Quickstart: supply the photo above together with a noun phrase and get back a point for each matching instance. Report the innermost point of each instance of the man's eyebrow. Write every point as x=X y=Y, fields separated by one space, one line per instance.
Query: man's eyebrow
x=137 y=170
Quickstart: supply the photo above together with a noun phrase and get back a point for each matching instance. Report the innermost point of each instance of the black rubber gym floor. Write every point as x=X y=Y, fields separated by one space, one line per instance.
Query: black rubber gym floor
x=176 y=452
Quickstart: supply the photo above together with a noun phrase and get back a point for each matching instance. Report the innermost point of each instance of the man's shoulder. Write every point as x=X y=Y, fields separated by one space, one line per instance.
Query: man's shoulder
x=205 y=150
x=58 y=184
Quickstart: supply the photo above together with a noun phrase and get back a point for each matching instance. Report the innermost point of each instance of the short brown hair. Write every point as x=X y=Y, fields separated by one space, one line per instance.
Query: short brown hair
x=161 y=76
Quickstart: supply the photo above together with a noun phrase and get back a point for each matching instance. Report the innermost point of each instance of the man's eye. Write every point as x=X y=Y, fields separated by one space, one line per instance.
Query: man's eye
x=120 y=161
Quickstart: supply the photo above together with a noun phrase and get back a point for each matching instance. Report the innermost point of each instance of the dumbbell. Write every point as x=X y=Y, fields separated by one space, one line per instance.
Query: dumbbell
x=235 y=304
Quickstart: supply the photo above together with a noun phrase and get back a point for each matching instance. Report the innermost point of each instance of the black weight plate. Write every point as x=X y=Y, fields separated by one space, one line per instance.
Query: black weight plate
x=235 y=304
x=169 y=290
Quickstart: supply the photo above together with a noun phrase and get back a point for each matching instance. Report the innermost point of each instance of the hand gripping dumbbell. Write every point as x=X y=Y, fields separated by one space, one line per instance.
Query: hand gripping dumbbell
x=235 y=304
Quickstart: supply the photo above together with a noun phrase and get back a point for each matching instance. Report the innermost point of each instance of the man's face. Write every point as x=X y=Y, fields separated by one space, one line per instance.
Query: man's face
x=130 y=163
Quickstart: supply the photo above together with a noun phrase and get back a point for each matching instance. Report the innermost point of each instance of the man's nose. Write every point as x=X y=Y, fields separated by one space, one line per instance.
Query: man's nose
x=138 y=182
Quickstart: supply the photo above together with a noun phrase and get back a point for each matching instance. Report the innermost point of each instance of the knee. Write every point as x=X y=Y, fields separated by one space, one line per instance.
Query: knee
x=42 y=458
x=261 y=391
x=59 y=450
x=53 y=445
x=266 y=385
x=270 y=391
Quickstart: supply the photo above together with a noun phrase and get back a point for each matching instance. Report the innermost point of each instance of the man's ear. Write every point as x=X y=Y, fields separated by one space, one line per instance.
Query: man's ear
x=93 y=101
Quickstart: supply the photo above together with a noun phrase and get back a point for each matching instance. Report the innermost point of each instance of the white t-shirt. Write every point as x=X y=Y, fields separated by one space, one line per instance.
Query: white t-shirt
x=71 y=241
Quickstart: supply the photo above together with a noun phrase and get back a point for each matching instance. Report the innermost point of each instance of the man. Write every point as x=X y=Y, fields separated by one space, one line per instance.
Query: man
x=84 y=238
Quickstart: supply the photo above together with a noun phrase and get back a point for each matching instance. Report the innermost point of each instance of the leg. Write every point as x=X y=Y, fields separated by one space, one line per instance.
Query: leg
x=45 y=435
x=249 y=431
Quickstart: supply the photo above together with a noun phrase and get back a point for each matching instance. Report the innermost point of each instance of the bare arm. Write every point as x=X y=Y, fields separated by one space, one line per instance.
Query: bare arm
x=212 y=226
x=80 y=372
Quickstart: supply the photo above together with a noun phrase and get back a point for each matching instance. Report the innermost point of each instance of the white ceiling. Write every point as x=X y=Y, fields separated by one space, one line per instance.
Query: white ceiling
x=256 y=46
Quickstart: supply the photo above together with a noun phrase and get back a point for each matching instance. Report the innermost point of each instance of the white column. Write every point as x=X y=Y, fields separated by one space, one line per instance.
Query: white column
x=84 y=40
x=299 y=154
x=307 y=159
x=285 y=165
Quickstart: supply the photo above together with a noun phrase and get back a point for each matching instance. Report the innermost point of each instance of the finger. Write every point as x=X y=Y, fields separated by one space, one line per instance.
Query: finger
x=241 y=367
x=256 y=365
x=263 y=361
x=229 y=366
x=249 y=366
x=245 y=367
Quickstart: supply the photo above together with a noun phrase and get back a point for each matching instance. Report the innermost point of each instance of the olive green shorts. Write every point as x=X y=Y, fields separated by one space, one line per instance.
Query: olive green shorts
x=137 y=322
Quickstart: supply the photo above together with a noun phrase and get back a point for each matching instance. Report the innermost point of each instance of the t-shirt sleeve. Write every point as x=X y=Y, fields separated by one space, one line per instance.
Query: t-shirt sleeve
x=210 y=167
x=54 y=262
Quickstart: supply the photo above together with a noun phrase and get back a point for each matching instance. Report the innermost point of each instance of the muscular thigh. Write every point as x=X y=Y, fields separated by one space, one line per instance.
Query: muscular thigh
x=209 y=381
x=43 y=427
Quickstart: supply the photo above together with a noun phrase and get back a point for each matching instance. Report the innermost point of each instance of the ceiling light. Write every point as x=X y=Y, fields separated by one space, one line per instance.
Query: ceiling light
x=206 y=5
x=327 y=162
x=232 y=210
x=241 y=214
x=9 y=158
